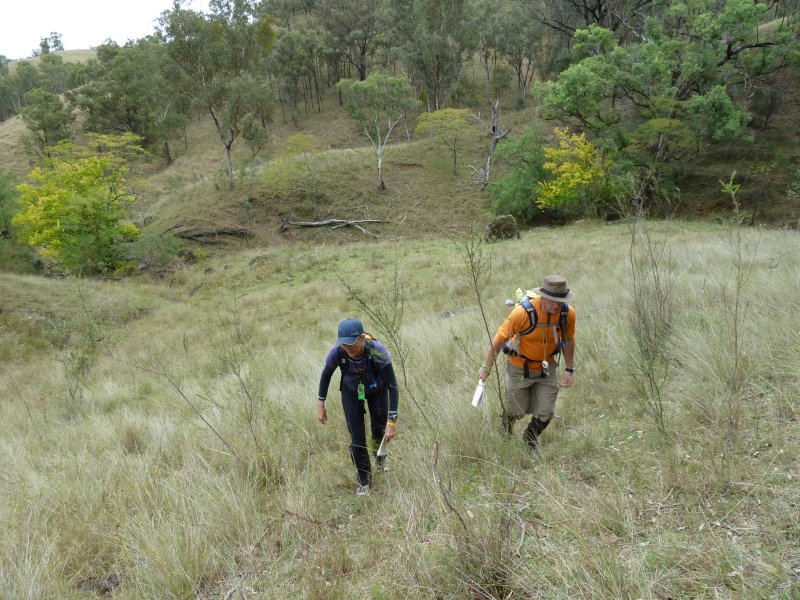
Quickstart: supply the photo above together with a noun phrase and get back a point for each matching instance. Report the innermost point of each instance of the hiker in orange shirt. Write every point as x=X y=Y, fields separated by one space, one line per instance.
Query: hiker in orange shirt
x=537 y=332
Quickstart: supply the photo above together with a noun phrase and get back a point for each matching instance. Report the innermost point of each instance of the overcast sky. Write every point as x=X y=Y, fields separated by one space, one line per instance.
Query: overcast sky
x=82 y=24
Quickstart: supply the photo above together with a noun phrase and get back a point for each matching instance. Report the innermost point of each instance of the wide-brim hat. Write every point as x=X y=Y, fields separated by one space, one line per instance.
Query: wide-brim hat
x=349 y=331
x=555 y=288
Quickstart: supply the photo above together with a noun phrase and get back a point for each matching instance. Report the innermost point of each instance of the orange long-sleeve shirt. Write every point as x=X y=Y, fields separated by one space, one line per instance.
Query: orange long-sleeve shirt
x=542 y=342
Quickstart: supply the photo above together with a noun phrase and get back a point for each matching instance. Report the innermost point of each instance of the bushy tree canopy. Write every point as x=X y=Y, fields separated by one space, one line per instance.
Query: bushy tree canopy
x=517 y=192
x=377 y=104
x=75 y=207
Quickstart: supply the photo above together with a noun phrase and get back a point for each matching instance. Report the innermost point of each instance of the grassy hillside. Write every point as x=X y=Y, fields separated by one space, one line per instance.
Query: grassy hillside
x=12 y=148
x=159 y=439
x=338 y=179
x=69 y=56
x=424 y=197
x=158 y=435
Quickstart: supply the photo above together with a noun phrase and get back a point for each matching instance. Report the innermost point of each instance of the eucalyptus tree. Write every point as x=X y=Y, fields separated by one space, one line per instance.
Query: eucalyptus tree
x=25 y=78
x=7 y=107
x=51 y=43
x=504 y=32
x=47 y=118
x=130 y=93
x=565 y=17
x=56 y=75
x=434 y=39
x=377 y=104
x=450 y=126
x=522 y=43
x=662 y=99
x=354 y=28
x=285 y=13
x=487 y=31
x=294 y=65
x=215 y=58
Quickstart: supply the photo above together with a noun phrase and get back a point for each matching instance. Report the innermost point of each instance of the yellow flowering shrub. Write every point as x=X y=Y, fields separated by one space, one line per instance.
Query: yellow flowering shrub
x=72 y=211
x=579 y=172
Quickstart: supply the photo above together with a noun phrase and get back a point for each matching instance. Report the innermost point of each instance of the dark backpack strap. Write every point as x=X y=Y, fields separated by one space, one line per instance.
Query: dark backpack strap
x=372 y=365
x=344 y=366
x=526 y=304
x=344 y=361
x=562 y=324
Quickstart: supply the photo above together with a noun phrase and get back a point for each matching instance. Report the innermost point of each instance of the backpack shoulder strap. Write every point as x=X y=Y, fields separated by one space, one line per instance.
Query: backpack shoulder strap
x=344 y=361
x=525 y=302
x=562 y=322
x=369 y=356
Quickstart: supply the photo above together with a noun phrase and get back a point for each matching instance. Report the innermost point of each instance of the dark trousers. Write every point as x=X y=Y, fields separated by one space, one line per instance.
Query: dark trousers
x=354 y=411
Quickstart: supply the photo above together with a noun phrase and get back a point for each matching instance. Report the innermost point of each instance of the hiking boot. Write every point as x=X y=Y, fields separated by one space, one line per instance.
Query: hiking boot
x=362 y=490
x=531 y=435
x=380 y=463
x=508 y=424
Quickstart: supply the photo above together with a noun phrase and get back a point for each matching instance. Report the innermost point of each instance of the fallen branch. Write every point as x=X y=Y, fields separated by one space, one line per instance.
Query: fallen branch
x=232 y=591
x=212 y=236
x=333 y=224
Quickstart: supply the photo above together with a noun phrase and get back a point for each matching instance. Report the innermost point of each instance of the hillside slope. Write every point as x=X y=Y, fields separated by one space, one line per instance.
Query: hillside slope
x=424 y=196
x=768 y=168
x=158 y=437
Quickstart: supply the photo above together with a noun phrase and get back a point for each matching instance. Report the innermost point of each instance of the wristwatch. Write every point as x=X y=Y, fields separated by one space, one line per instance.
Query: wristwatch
x=569 y=369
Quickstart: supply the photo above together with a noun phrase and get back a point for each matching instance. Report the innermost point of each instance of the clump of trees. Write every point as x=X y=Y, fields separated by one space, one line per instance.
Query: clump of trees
x=653 y=92
x=74 y=209
x=639 y=89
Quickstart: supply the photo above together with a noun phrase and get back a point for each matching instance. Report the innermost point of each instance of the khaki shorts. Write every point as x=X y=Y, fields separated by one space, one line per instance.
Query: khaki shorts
x=534 y=395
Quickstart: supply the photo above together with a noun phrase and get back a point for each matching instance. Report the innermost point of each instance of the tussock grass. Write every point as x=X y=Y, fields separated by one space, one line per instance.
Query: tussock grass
x=192 y=465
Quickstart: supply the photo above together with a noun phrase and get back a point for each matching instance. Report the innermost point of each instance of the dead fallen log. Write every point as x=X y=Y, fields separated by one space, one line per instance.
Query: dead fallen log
x=332 y=223
x=213 y=236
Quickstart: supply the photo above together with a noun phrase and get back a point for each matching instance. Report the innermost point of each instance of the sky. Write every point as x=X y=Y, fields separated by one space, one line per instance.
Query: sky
x=83 y=24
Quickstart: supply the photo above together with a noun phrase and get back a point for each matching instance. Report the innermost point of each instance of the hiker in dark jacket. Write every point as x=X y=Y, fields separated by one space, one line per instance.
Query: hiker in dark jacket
x=534 y=336
x=368 y=382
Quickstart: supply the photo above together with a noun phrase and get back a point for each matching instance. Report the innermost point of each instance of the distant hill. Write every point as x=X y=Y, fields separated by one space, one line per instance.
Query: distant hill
x=70 y=56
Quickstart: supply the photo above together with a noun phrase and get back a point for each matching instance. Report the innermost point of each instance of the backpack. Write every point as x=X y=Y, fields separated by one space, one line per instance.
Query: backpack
x=524 y=299
x=372 y=366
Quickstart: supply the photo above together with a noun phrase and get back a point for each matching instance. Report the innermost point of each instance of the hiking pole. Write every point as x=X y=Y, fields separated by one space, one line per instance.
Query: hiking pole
x=383 y=449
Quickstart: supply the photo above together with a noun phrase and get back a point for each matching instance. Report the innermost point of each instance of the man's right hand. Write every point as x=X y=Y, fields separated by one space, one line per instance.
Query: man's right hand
x=483 y=373
x=322 y=414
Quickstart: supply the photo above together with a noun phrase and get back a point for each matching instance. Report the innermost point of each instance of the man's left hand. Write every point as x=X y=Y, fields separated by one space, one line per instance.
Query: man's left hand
x=566 y=381
x=391 y=430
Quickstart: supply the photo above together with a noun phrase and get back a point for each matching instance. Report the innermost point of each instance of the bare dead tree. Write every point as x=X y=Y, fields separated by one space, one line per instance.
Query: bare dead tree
x=494 y=131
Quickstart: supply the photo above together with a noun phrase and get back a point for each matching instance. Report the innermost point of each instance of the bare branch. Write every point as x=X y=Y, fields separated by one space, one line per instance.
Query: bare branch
x=333 y=224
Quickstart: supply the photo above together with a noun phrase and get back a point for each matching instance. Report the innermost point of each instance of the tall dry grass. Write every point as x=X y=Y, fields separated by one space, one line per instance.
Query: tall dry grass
x=191 y=466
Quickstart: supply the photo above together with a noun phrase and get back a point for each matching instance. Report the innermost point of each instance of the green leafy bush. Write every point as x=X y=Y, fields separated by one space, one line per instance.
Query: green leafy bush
x=517 y=191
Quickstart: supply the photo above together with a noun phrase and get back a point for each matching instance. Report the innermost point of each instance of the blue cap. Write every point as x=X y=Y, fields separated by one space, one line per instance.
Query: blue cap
x=349 y=330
